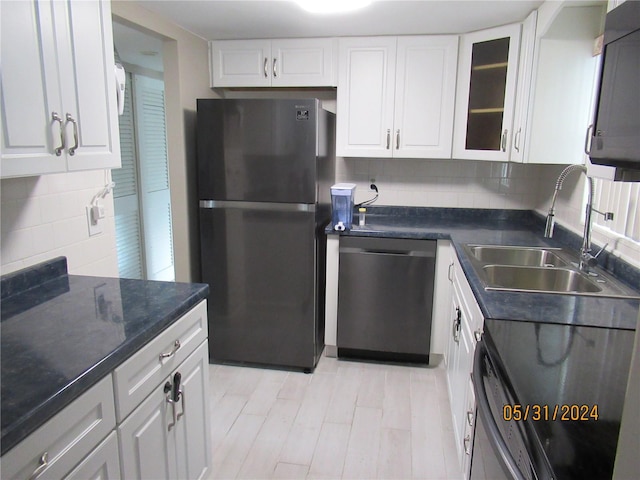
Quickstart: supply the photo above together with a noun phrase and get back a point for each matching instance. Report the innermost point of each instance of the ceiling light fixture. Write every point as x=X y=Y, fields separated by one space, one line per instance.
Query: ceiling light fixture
x=332 y=6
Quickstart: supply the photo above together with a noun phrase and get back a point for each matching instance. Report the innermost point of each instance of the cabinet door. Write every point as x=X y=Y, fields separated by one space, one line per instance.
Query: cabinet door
x=103 y=463
x=425 y=96
x=487 y=74
x=303 y=62
x=58 y=88
x=453 y=363
x=523 y=90
x=147 y=447
x=240 y=63
x=469 y=429
x=193 y=441
x=30 y=91
x=88 y=84
x=365 y=102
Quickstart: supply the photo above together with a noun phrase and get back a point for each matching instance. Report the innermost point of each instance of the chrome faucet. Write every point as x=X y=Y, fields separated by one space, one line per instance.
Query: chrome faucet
x=587 y=259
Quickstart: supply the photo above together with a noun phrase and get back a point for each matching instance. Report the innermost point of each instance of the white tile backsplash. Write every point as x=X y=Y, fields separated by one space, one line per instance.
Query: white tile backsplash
x=442 y=183
x=44 y=217
x=477 y=184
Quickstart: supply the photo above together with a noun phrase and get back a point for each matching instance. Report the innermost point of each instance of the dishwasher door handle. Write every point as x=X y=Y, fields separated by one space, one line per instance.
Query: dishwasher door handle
x=406 y=253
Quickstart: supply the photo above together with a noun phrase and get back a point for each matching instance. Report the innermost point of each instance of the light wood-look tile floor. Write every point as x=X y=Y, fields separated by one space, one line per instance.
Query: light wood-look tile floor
x=350 y=420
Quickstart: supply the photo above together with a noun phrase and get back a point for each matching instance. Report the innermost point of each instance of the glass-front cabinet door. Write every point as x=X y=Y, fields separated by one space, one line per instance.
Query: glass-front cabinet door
x=486 y=94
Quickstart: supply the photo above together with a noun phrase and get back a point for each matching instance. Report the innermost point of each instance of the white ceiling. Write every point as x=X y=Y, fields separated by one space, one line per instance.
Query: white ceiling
x=235 y=19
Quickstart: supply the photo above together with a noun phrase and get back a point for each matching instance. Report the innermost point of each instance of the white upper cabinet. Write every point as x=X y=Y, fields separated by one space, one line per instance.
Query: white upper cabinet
x=301 y=62
x=559 y=100
x=58 y=88
x=366 y=84
x=396 y=96
x=485 y=99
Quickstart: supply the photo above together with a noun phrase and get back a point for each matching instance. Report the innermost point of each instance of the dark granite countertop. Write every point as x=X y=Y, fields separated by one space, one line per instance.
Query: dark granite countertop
x=507 y=227
x=61 y=334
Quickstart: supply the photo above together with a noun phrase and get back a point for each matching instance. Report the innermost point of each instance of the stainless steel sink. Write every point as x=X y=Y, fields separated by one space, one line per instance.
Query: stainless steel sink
x=524 y=256
x=538 y=279
x=542 y=270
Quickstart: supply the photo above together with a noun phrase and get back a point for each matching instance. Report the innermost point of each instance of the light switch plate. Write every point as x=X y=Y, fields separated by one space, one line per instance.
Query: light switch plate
x=94 y=228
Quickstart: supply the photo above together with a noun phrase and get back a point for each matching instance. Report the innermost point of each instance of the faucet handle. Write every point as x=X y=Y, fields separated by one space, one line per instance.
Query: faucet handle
x=601 y=250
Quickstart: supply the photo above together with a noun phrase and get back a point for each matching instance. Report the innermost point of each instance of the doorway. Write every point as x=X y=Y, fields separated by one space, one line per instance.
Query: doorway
x=144 y=237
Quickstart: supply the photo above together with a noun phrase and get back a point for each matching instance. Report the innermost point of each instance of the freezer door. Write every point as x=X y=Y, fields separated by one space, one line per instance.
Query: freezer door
x=260 y=267
x=257 y=150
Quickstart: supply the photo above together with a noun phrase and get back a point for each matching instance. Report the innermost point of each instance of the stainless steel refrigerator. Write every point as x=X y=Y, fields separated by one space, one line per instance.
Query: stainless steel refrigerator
x=265 y=168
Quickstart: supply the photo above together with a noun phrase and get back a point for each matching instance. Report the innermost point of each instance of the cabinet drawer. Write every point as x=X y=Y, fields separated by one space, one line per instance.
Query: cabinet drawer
x=65 y=439
x=146 y=369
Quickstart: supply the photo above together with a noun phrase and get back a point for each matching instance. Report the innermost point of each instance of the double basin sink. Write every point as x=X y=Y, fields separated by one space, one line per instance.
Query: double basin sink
x=540 y=269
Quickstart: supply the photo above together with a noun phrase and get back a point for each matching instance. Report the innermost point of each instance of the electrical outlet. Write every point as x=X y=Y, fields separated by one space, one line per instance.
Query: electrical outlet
x=95 y=227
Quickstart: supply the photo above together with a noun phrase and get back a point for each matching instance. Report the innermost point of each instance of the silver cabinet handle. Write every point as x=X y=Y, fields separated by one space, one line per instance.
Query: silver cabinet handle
x=587 y=140
x=467 y=445
x=266 y=64
x=470 y=418
x=516 y=140
x=398 y=139
x=503 y=142
x=275 y=67
x=478 y=335
x=43 y=464
x=56 y=118
x=72 y=150
x=388 y=138
x=176 y=346
x=450 y=272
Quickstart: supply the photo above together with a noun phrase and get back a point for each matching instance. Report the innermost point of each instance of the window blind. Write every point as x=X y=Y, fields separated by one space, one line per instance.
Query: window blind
x=623 y=199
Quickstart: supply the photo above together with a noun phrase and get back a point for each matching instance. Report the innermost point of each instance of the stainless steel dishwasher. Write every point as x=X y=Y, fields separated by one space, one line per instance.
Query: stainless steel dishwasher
x=385 y=298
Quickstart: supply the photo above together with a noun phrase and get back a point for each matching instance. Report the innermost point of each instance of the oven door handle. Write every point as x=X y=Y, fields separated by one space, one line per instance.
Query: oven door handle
x=484 y=411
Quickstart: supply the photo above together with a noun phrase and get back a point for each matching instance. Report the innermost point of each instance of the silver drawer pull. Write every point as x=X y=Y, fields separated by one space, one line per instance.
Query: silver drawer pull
x=56 y=118
x=44 y=463
x=470 y=418
x=72 y=150
x=467 y=445
x=176 y=347
x=478 y=335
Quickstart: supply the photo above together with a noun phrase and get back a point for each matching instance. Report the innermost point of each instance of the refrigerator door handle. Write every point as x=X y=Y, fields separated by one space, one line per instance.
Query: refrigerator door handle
x=271 y=206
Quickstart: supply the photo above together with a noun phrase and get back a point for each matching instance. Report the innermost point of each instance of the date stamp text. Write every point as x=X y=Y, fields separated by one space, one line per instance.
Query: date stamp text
x=545 y=413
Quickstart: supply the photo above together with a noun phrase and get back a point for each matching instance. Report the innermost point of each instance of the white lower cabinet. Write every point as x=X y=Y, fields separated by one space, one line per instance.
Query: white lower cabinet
x=164 y=438
x=159 y=435
x=466 y=328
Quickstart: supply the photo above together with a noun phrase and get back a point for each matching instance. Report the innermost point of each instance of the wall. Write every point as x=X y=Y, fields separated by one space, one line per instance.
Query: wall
x=44 y=217
x=443 y=183
x=186 y=76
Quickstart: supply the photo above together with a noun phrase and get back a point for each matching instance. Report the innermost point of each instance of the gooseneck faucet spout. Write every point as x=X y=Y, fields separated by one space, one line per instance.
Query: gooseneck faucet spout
x=586 y=258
